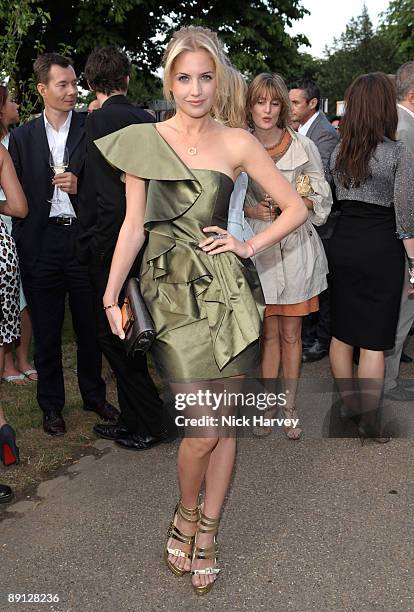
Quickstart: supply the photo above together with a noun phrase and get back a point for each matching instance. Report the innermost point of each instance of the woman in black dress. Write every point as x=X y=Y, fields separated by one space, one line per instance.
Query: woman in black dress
x=373 y=179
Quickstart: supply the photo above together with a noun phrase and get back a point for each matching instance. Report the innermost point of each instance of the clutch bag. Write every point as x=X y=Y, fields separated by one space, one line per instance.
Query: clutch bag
x=137 y=323
x=304 y=186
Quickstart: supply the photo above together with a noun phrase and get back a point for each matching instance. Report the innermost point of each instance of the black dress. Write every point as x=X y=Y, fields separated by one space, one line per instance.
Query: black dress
x=366 y=260
x=366 y=253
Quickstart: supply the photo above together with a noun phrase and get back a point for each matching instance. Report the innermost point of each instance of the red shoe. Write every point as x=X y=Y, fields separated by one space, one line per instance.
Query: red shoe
x=9 y=451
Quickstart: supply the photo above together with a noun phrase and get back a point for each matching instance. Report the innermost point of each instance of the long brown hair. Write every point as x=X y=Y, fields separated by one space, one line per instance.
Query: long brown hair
x=4 y=94
x=370 y=116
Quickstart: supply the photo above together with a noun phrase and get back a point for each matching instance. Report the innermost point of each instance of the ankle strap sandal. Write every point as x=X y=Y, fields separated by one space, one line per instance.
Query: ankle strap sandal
x=206 y=525
x=191 y=515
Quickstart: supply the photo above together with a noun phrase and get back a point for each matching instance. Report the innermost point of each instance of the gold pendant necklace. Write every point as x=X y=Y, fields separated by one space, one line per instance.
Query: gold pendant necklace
x=191 y=149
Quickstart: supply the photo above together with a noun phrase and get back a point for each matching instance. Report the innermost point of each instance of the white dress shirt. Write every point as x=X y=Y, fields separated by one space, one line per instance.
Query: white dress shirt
x=304 y=129
x=410 y=112
x=57 y=140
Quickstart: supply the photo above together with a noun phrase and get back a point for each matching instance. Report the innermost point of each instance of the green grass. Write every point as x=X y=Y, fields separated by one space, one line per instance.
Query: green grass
x=42 y=454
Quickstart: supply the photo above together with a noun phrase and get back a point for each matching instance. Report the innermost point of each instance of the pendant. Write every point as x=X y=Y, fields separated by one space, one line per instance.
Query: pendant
x=192 y=150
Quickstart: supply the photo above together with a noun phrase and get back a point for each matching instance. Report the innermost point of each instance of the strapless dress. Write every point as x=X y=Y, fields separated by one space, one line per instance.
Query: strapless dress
x=207 y=310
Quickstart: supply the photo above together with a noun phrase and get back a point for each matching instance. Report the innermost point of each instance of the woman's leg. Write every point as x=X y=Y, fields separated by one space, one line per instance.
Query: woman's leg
x=193 y=457
x=218 y=476
x=22 y=346
x=340 y=355
x=371 y=364
x=371 y=382
x=2 y=417
x=217 y=481
x=270 y=348
x=9 y=367
x=291 y=345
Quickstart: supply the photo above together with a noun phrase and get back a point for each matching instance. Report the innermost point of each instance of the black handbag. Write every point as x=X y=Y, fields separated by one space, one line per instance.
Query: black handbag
x=137 y=323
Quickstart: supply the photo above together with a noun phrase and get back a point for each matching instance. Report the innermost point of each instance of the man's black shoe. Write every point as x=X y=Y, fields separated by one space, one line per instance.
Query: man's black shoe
x=5 y=494
x=107 y=412
x=405 y=358
x=110 y=431
x=136 y=442
x=53 y=423
x=314 y=353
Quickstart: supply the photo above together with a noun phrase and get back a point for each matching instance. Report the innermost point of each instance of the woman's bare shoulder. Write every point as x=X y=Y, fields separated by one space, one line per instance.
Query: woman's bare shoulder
x=238 y=138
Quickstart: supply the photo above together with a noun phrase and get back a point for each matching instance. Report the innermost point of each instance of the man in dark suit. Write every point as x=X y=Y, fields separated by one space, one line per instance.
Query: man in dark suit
x=46 y=241
x=102 y=211
x=305 y=99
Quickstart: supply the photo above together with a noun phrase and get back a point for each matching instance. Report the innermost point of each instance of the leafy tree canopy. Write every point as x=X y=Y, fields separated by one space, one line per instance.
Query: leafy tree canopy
x=357 y=51
x=398 y=27
x=253 y=31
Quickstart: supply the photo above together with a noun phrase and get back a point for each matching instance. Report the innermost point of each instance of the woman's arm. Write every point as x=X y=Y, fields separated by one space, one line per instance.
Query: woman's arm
x=15 y=204
x=130 y=240
x=253 y=159
x=403 y=204
x=319 y=203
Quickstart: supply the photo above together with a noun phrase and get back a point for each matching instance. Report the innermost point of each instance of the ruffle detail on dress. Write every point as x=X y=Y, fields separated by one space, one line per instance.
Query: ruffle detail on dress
x=226 y=288
x=141 y=151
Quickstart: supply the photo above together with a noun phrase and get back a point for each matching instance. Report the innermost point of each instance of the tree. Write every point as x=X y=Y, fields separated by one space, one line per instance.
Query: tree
x=253 y=31
x=398 y=27
x=357 y=51
x=17 y=18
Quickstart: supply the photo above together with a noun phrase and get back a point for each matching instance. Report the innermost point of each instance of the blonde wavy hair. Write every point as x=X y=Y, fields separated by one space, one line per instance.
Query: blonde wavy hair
x=193 y=38
x=266 y=85
x=233 y=113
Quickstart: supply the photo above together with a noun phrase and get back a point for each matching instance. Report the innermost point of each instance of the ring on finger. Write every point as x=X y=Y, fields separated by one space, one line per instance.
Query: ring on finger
x=218 y=236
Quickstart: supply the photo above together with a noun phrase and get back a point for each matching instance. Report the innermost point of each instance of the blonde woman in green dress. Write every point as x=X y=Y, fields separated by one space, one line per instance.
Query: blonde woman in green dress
x=197 y=279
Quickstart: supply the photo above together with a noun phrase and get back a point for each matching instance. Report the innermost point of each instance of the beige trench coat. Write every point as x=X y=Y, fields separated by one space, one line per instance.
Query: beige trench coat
x=295 y=269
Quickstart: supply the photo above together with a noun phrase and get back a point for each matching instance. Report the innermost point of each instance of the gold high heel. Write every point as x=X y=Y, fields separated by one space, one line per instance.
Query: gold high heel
x=191 y=515
x=292 y=433
x=206 y=525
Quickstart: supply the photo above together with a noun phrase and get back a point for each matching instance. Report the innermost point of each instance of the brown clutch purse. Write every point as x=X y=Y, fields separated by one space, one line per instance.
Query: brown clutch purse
x=137 y=323
x=304 y=186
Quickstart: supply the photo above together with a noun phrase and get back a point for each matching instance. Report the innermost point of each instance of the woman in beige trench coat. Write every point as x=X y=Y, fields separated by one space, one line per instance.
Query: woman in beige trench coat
x=294 y=271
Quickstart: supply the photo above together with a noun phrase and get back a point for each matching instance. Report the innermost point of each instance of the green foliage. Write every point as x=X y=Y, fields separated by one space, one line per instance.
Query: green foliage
x=17 y=18
x=398 y=27
x=357 y=51
x=253 y=31
x=144 y=87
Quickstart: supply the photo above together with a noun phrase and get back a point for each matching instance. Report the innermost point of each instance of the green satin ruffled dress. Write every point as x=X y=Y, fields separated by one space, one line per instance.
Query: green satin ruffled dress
x=207 y=310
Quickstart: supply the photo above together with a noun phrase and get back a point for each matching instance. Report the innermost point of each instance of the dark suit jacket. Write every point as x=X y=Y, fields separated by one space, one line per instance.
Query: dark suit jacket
x=102 y=193
x=326 y=137
x=30 y=152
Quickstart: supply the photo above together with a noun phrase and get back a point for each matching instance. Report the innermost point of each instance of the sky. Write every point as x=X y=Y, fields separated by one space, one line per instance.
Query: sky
x=328 y=19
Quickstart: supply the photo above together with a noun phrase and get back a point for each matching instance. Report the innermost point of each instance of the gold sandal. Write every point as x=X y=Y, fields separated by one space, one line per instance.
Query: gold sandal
x=206 y=525
x=292 y=432
x=191 y=515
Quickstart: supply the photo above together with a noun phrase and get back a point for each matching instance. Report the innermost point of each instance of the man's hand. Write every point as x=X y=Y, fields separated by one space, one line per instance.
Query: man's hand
x=66 y=181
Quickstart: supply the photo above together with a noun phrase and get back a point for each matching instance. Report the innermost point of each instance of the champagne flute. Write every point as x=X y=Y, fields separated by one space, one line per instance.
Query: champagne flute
x=270 y=203
x=58 y=161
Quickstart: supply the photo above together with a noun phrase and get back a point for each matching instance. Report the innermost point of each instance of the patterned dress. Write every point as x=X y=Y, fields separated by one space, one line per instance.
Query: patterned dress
x=9 y=288
x=9 y=279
